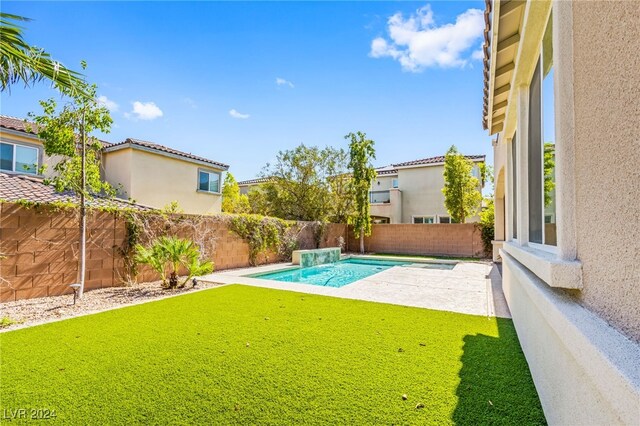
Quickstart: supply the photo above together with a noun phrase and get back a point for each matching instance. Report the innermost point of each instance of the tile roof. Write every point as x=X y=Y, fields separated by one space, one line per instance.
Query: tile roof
x=31 y=188
x=21 y=125
x=386 y=170
x=161 y=148
x=253 y=181
x=17 y=124
x=435 y=160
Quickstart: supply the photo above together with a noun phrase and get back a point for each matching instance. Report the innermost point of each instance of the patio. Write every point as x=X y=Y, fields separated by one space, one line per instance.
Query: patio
x=469 y=288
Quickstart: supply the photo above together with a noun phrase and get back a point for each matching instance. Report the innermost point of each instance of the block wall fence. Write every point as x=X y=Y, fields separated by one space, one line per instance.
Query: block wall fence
x=455 y=240
x=39 y=247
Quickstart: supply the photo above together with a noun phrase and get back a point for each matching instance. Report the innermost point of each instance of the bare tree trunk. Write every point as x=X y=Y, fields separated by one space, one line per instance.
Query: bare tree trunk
x=83 y=212
x=362 y=242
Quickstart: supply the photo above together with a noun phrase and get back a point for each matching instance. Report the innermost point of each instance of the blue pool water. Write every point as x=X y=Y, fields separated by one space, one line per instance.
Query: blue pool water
x=335 y=274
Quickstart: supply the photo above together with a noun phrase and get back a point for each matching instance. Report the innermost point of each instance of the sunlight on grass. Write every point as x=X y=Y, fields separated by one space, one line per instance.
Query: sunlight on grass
x=239 y=354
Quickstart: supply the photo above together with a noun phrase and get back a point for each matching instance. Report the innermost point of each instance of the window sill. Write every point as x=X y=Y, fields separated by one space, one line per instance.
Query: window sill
x=207 y=192
x=546 y=265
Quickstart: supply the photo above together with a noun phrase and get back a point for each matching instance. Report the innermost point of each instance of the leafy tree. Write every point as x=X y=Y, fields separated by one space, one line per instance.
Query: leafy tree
x=299 y=185
x=63 y=132
x=361 y=152
x=487 y=226
x=549 y=171
x=232 y=200
x=259 y=202
x=461 y=195
x=21 y=62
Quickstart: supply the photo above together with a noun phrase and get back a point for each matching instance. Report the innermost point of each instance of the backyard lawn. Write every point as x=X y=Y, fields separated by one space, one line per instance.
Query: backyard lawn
x=240 y=354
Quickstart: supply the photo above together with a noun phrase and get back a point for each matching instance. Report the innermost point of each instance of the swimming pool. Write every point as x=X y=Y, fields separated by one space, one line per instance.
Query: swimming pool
x=335 y=274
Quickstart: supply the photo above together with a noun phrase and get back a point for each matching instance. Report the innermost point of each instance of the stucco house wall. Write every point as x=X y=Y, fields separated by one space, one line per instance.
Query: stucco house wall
x=575 y=306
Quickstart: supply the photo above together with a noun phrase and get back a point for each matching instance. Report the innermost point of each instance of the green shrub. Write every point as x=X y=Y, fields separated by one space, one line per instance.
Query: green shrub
x=261 y=233
x=486 y=226
x=6 y=321
x=168 y=255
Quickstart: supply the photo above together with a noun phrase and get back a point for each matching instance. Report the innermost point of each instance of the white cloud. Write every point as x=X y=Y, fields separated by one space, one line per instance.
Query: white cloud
x=283 y=82
x=190 y=102
x=144 y=111
x=478 y=55
x=418 y=43
x=108 y=103
x=236 y=114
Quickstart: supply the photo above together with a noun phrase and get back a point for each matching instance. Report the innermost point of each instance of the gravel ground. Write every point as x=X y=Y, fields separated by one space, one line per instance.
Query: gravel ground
x=30 y=312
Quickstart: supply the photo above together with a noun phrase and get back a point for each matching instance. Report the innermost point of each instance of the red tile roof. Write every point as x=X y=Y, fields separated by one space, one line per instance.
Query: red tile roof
x=253 y=181
x=161 y=148
x=436 y=160
x=30 y=188
x=21 y=125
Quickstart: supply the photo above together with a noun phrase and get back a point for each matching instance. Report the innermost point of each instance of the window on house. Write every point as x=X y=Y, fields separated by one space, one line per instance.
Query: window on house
x=424 y=219
x=209 y=181
x=444 y=219
x=18 y=158
x=514 y=188
x=542 y=227
x=394 y=183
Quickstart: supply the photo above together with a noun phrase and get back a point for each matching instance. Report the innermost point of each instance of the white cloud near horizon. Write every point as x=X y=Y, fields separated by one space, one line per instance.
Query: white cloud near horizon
x=144 y=111
x=418 y=43
x=108 y=103
x=283 y=82
x=235 y=114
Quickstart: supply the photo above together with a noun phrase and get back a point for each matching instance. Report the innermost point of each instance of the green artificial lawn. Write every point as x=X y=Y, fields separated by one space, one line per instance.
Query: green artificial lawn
x=248 y=355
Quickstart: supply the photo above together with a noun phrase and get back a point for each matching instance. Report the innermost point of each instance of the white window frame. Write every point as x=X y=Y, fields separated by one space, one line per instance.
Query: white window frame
x=13 y=160
x=209 y=172
x=542 y=246
x=424 y=216
x=445 y=223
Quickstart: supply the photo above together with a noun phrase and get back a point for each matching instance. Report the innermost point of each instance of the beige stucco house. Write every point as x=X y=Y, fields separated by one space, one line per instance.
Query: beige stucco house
x=562 y=98
x=411 y=192
x=151 y=174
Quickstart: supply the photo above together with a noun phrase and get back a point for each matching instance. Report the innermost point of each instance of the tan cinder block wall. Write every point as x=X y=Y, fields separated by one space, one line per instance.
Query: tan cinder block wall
x=434 y=239
x=40 y=251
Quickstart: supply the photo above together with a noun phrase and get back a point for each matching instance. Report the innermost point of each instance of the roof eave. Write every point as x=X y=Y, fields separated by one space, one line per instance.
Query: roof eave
x=133 y=145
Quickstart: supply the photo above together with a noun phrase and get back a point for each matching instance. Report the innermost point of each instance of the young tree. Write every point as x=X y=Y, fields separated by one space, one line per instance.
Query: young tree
x=232 y=200
x=65 y=131
x=299 y=183
x=21 y=62
x=462 y=196
x=361 y=152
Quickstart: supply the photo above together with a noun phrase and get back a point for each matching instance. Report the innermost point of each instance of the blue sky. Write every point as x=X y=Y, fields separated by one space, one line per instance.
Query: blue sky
x=236 y=82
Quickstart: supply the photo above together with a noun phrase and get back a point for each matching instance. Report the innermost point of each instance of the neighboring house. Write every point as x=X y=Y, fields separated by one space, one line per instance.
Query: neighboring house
x=561 y=96
x=247 y=185
x=151 y=174
x=156 y=175
x=411 y=192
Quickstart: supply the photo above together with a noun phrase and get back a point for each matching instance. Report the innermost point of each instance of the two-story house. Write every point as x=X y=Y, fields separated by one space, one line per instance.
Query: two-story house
x=151 y=174
x=411 y=192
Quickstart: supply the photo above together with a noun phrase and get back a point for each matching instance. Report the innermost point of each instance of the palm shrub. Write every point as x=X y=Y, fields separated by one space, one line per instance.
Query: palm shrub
x=168 y=255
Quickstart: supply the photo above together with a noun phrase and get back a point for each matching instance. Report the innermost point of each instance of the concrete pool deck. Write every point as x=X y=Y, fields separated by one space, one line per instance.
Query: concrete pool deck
x=469 y=288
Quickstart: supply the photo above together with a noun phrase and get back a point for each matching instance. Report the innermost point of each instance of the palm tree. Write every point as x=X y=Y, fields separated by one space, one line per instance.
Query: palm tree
x=29 y=64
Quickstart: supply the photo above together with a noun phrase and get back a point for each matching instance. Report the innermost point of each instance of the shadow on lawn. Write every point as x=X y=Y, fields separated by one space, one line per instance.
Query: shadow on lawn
x=495 y=383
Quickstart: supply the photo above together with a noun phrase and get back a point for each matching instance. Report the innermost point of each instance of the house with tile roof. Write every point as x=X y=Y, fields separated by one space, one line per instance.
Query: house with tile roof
x=151 y=174
x=411 y=192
